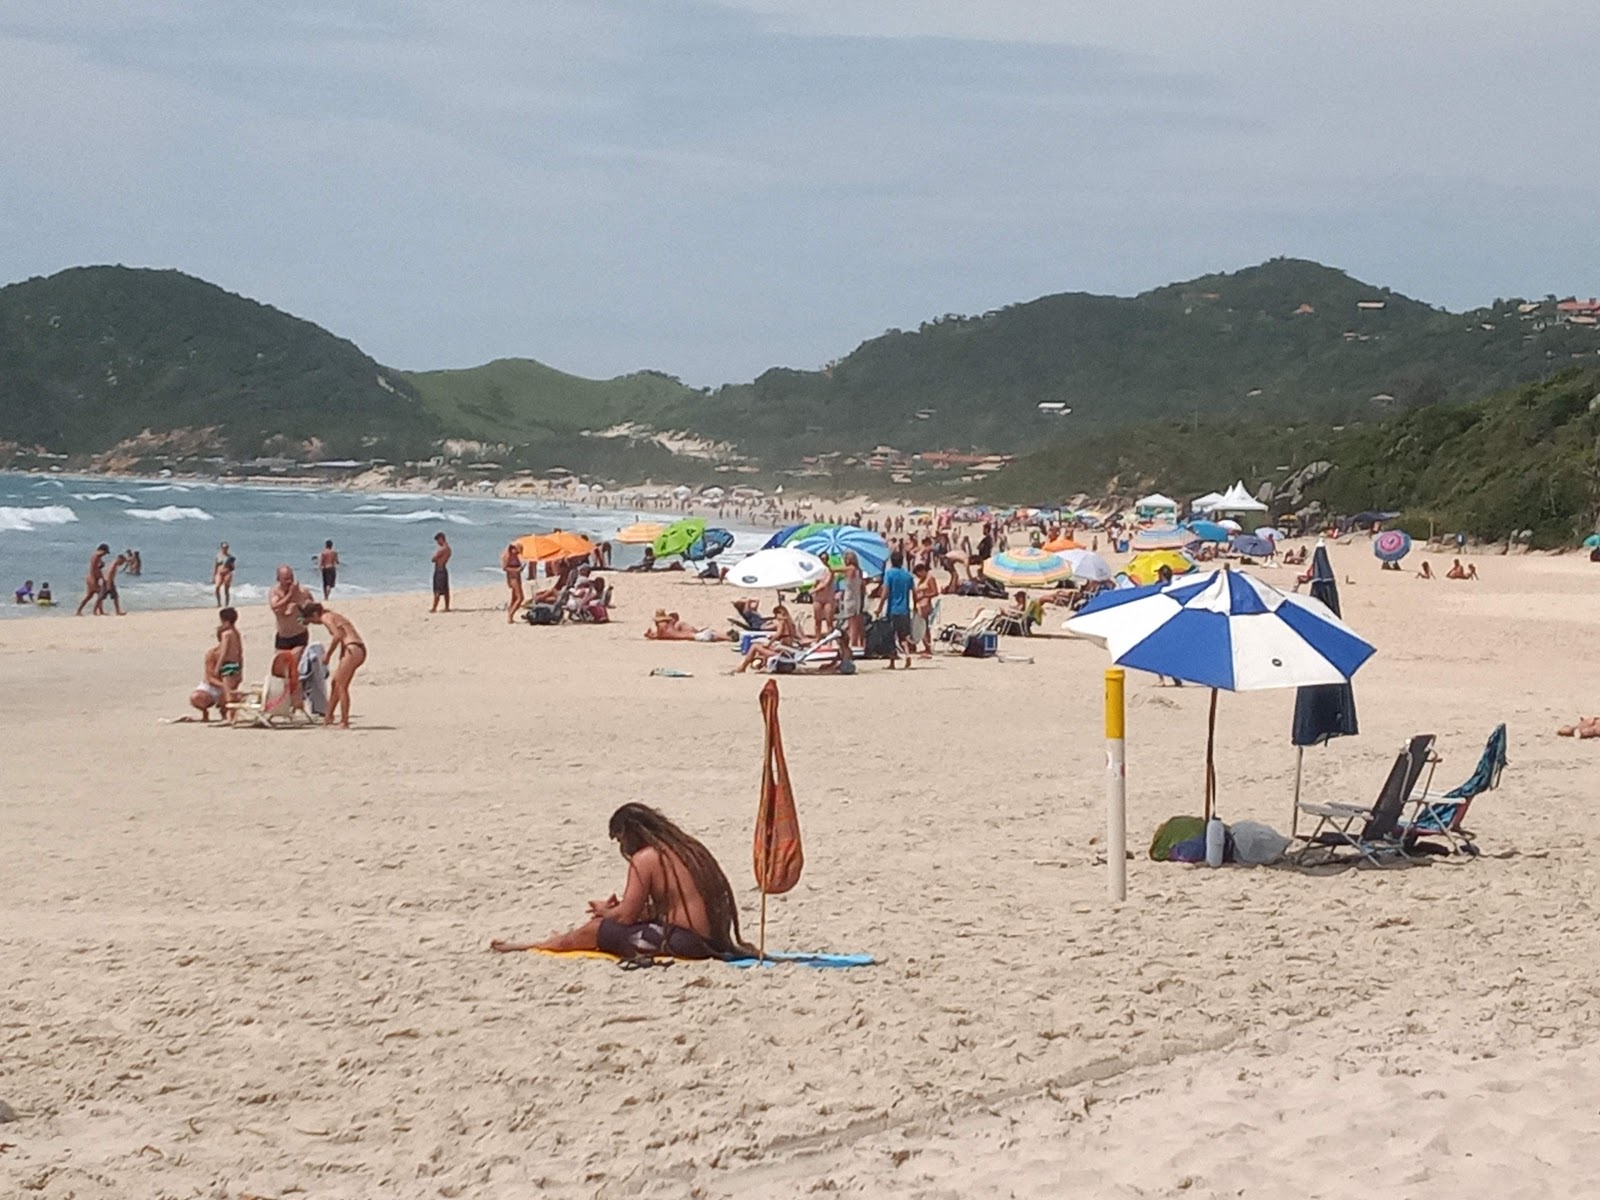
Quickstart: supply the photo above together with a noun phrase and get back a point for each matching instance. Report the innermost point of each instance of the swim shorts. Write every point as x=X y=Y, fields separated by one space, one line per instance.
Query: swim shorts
x=328 y=575
x=291 y=643
x=441 y=582
x=648 y=938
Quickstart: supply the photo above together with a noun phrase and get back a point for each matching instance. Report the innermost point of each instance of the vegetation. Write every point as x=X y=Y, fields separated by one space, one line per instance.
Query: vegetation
x=95 y=355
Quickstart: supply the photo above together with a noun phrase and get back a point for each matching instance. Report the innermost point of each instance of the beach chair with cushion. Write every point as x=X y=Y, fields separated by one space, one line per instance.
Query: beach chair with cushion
x=957 y=634
x=1439 y=814
x=274 y=703
x=1373 y=833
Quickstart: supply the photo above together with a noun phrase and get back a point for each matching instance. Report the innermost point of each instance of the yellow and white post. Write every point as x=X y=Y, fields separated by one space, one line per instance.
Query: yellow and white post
x=1116 y=789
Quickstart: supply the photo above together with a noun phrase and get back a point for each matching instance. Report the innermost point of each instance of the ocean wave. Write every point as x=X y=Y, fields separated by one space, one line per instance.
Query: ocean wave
x=427 y=514
x=170 y=512
x=104 y=496
x=186 y=594
x=167 y=487
x=371 y=508
x=26 y=520
x=45 y=480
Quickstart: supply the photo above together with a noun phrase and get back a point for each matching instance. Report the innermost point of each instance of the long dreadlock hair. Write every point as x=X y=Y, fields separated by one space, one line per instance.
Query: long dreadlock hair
x=638 y=825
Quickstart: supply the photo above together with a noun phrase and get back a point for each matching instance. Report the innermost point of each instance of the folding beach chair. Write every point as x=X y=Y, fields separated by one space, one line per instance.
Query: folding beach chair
x=275 y=703
x=1439 y=814
x=1379 y=831
x=790 y=659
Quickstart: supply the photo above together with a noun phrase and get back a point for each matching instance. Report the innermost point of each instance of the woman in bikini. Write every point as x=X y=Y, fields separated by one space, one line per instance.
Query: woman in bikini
x=352 y=653
x=785 y=636
x=677 y=902
x=511 y=564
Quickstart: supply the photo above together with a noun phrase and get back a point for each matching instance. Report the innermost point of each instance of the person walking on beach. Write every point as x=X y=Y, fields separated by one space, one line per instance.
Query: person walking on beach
x=328 y=563
x=286 y=599
x=854 y=601
x=94 y=581
x=108 y=588
x=222 y=575
x=441 y=572
x=925 y=594
x=352 y=653
x=511 y=564
x=896 y=604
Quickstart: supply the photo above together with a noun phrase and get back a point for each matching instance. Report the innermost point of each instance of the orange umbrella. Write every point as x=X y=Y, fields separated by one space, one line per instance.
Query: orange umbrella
x=641 y=534
x=778 y=856
x=541 y=547
x=1064 y=542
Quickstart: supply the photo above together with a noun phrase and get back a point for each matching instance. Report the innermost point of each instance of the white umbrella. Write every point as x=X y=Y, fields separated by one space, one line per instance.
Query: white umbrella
x=1231 y=525
x=1271 y=534
x=778 y=568
x=1088 y=565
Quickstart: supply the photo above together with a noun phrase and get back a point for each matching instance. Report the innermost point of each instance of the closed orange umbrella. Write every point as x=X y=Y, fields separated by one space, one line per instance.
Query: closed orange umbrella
x=778 y=855
x=541 y=547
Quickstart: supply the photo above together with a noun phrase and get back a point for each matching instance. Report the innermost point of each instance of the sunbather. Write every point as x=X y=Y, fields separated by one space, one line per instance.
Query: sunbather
x=1457 y=571
x=785 y=635
x=677 y=901
x=1587 y=727
x=669 y=627
x=1426 y=572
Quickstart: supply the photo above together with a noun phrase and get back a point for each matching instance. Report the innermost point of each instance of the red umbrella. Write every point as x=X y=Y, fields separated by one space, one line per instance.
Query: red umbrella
x=778 y=855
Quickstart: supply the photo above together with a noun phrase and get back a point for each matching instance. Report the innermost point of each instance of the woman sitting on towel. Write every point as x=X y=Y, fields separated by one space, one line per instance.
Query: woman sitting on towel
x=677 y=902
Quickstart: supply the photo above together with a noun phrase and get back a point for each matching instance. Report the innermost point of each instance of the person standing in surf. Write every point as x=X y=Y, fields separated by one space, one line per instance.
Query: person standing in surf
x=222 y=575
x=328 y=562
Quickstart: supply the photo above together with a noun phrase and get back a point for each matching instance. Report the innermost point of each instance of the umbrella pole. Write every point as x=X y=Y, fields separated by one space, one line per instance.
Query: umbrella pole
x=1299 y=766
x=761 y=947
x=1211 y=765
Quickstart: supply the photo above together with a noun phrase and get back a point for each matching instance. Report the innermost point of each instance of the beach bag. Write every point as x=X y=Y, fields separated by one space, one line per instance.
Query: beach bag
x=1255 y=844
x=1175 y=831
x=543 y=614
x=880 y=641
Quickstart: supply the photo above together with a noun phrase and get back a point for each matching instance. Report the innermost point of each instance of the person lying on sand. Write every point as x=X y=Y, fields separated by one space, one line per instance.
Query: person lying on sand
x=677 y=901
x=670 y=627
x=1587 y=727
x=1457 y=571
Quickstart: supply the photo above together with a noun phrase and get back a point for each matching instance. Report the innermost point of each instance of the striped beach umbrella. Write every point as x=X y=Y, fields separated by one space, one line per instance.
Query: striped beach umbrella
x=1162 y=537
x=1028 y=567
x=831 y=542
x=1391 y=545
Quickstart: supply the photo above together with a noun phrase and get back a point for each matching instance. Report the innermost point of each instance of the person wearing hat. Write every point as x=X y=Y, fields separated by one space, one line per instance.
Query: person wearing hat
x=94 y=582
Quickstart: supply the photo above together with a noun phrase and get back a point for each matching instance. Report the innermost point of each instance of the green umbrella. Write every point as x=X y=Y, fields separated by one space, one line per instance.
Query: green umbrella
x=678 y=537
x=804 y=531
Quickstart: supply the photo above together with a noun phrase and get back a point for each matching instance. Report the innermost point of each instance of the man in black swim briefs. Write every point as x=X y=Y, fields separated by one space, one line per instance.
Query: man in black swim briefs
x=286 y=599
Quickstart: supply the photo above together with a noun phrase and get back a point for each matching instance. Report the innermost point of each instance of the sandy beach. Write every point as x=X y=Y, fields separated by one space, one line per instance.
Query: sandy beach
x=253 y=963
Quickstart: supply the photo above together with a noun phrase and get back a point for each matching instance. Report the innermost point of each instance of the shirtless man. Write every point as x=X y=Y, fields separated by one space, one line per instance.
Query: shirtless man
x=286 y=599
x=230 y=663
x=328 y=564
x=94 y=581
x=108 y=588
x=677 y=902
x=511 y=564
x=352 y=653
x=441 y=572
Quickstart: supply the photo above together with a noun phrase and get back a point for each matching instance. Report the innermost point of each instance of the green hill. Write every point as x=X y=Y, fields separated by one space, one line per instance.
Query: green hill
x=95 y=355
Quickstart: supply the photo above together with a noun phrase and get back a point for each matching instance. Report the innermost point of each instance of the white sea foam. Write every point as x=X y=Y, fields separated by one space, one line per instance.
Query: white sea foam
x=427 y=514
x=371 y=508
x=104 y=496
x=26 y=520
x=168 y=487
x=170 y=512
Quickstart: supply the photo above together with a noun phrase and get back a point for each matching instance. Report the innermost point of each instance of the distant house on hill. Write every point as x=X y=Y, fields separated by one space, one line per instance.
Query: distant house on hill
x=1575 y=310
x=1369 y=305
x=1305 y=310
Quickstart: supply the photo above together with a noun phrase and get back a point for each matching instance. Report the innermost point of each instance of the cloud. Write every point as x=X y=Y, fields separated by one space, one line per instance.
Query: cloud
x=712 y=188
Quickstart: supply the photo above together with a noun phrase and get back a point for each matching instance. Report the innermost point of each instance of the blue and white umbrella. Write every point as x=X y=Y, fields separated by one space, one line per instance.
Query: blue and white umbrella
x=830 y=545
x=1207 y=531
x=780 y=538
x=1223 y=630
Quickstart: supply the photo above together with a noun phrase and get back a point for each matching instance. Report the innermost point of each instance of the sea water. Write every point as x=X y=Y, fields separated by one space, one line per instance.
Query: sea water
x=50 y=524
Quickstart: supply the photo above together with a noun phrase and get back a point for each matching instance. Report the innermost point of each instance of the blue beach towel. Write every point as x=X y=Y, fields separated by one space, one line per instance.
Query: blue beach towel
x=822 y=961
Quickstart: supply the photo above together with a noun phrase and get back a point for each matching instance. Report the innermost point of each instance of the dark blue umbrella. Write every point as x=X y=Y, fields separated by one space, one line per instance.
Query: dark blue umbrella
x=781 y=538
x=1251 y=546
x=1325 y=710
x=708 y=545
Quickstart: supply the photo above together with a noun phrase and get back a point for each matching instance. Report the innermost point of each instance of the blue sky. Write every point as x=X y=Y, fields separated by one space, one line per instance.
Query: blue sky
x=710 y=188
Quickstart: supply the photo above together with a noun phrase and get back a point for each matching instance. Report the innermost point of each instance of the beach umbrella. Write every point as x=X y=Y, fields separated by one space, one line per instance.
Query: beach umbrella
x=1270 y=533
x=1391 y=545
x=832 y=542
x=778 y=855
x=542 y=547
x=1088 y=565
x=708 y=545
x=1250 y=546
x=1161 y=537
x=798 y=533
x=1146 y=567
x=1060 y=545
x=1225 y=630
x=780 y=568
x=1321 y=710
x=678 y=537
x=1231 y=525
x=1592 y=541
x=643 y=533
x=780 y=538
x=1208 y=531
x=1028 y=568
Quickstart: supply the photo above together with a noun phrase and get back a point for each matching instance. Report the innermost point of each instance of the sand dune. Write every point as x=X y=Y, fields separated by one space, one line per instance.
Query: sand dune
x=253 y=963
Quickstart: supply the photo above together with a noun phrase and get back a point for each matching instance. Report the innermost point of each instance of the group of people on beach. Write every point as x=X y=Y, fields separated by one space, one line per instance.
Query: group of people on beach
x=576 y=590
x=100 y=582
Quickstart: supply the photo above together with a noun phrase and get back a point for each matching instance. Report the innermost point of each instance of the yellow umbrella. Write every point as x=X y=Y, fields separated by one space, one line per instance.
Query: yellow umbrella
x=1146 y=567
x=541 y=547
x=641 y=534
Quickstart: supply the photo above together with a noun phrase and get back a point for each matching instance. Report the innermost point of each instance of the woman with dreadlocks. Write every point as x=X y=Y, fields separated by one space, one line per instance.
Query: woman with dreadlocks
x=677 y=902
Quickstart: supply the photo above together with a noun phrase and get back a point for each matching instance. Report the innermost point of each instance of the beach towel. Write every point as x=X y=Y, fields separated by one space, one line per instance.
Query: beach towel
x=799 y=958
x=314 y=678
